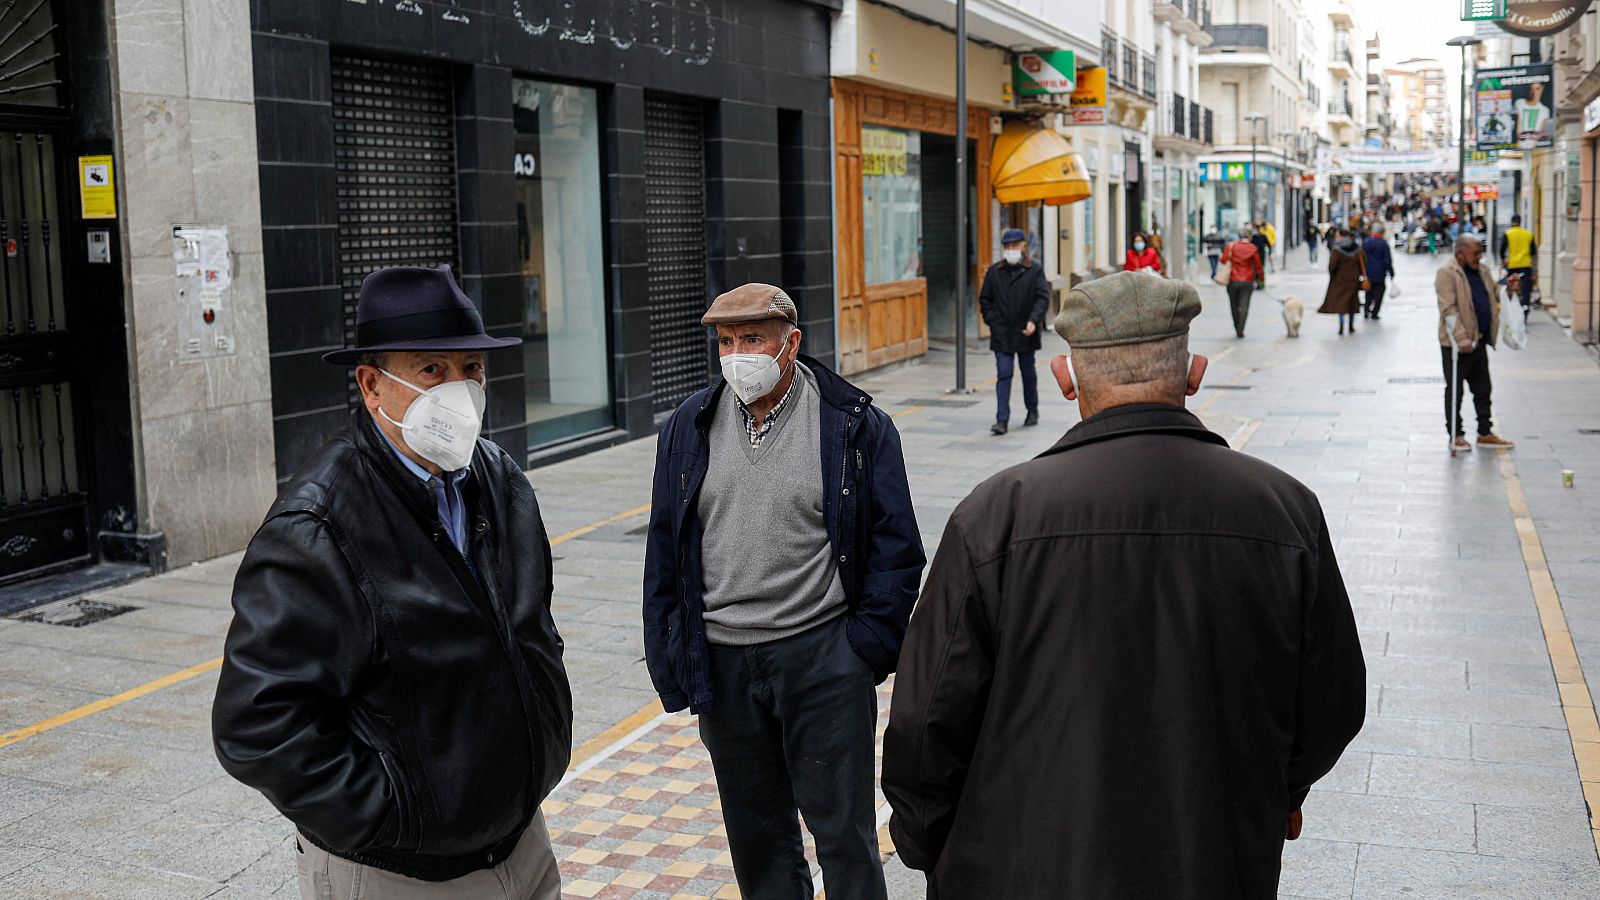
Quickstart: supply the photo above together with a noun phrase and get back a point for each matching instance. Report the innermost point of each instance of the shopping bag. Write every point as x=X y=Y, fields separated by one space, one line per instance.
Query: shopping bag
x=1224 y=266
x=1394 y=289
x=1514 y=331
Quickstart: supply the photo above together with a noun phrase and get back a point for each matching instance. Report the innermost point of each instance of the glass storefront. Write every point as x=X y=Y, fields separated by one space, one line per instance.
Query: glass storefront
x=891 y=204
x=561 y=260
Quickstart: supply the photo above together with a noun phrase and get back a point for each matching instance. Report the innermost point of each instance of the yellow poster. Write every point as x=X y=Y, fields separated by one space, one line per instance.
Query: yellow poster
x=97 y=187
x=883 y=152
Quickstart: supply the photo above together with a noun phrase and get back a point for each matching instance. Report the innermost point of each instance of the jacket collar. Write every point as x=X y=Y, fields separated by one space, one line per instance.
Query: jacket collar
x=384 y=458
x=1135 y=418
x=835 y=392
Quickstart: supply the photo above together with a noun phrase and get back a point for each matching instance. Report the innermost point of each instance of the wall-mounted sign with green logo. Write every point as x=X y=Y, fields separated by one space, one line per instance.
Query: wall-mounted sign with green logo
x=1477 y=10
x=1044 y=72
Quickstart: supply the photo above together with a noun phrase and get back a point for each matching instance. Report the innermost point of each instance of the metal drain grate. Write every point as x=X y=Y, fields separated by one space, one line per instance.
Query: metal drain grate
x=1586 y=432
x=943 y=404
x=1234 y=387
x=75 y=612
x=1418 y=379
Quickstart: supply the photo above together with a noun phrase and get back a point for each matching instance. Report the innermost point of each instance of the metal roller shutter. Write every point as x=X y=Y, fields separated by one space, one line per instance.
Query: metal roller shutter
x=394 y=139
x=675 y=246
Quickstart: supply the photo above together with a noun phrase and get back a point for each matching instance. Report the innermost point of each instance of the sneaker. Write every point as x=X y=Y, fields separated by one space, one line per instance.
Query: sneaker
x=1463 y=445
x=1032 y=419
x=1495 y=441
x=999 y=428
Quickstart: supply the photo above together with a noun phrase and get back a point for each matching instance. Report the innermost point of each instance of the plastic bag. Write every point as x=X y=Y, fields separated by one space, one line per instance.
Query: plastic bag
x=1394 y=289
x=1513 y=330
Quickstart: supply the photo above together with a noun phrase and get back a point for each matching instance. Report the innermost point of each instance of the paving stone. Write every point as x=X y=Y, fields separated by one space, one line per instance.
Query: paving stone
x=1535 y=678
x=1529 y=746
x=1314 y=868
x=1438 y=674
x=1473 y=706
x=1414 y=737
x=1349 y=775
x=69 y=875
x=1473 y=781
x=1396 y=822
x=1552 y=834
x=1388 y=872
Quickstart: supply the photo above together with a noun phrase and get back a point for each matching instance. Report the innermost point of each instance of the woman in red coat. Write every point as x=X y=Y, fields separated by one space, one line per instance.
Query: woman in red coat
x=1143 y=256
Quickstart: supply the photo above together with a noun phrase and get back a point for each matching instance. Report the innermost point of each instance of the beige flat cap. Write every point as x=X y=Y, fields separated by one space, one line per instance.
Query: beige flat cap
x=1127 y=308
x=753 y=302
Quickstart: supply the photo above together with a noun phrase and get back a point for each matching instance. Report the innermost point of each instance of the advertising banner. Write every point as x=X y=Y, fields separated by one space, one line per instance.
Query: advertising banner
x=1515 y=108
x=1476 y=192
x=1089 y=97
x=1044 y=72
x=1385 y=162
x=1483 y=166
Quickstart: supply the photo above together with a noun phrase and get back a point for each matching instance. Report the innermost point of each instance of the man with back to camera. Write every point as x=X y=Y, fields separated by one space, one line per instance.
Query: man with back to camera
x=1519 y=253
x=392 y=679
x=1134 y=654
x=782 y=562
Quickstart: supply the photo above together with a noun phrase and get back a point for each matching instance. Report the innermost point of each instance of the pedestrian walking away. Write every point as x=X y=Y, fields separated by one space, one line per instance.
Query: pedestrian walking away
x=1313 y=237
x=776 y=594
x=1347 y=278
x=1214 y=241
x=1270 y=232
x=1258 y=237
x=1245 y=272
x=1013 y=300
x=1142 y=256
x=392 y=680
x=1518 y=252
x=1049 y=736
x=1379 y=269
x=1467 y=291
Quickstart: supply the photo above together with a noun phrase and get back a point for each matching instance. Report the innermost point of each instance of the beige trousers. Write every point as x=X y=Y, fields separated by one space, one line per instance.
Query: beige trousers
x=529 y=873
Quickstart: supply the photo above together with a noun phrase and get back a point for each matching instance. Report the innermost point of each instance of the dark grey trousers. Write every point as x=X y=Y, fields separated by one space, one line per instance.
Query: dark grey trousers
x=792 y=727
x=1472 y=370
x=1239 y=302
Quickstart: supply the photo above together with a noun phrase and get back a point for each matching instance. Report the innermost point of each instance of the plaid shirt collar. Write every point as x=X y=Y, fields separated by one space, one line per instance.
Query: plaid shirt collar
x=757 y=431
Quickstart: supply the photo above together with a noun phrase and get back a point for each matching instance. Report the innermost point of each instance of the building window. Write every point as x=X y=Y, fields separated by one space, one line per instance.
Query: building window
x=560 y=258
x=891 y=204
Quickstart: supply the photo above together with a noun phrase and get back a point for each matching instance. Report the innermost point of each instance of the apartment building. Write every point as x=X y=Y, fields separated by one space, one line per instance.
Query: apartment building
x=1419 y=105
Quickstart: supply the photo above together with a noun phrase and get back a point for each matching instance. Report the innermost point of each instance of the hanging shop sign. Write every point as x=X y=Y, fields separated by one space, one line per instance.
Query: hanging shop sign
x=1591 y=115
x=1476 y=10
x=1542 y=18
x=1515 y=108
x=1386 y=162
x=1044 y=73
x=1089 y=98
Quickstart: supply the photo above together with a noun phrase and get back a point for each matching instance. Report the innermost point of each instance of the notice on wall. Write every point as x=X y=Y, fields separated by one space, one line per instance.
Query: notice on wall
x=203 y=271
x=1515 y=108
x=884 y=151
x=97 y=187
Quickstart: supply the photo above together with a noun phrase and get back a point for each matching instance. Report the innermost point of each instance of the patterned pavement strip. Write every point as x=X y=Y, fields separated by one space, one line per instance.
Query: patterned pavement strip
x=642 y=818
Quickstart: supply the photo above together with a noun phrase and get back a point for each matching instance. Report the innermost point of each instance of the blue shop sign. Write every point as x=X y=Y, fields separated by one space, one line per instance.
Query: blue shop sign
x=1238 y=171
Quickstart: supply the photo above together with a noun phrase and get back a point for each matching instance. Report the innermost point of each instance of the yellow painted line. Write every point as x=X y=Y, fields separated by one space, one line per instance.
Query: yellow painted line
x=1211 y=401
x=1577 y=703
x=908 y=411
x=617 y=732
x=211 y=665
x=1244 y=434
x=89 y=709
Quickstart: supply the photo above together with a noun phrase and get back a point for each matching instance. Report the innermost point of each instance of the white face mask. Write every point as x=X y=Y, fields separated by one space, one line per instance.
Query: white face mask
x=443 y=423
x=1138 y=245
x=1012 y=257
x=753 y=375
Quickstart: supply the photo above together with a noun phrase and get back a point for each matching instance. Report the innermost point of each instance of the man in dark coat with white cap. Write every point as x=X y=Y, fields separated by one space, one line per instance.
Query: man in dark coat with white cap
x=392 y=680
x=1013 y=300
x=1134 y=654
x=781 y=567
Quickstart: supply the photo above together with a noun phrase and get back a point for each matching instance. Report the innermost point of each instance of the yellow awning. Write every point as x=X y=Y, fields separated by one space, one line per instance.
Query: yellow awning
x=1033 y=163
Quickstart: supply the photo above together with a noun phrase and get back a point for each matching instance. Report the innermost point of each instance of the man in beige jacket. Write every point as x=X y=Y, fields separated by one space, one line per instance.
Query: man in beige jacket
x=1468 y=291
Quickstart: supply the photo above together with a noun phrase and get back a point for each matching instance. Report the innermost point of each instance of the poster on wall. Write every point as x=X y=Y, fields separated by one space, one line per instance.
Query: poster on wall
x=1515 y=108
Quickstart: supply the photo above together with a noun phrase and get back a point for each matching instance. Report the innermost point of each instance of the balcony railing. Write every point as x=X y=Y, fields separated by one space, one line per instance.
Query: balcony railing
x=1238 y=36
x=1196 y=11
x=1130 y=66
x=1206 y=137
x=1184 y=118
x=1149 y=66
x=1108 y=54
x=1340 y=108
x=1343 y=55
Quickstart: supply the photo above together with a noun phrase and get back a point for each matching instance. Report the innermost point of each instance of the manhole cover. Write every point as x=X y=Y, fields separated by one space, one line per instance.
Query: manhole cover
x=943 y=404
x=1418 y=379
x=75 y=613
x=1234 y=387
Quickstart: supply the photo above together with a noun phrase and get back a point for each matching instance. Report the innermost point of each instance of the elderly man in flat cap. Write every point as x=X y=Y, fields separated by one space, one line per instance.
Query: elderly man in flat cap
x=1134 y=654
x=392 y=680
x=782 y=564
x=1013 y=301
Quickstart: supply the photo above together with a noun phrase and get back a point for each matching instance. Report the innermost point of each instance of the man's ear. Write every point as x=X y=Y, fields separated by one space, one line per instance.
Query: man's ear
x=1063 y=374
x=367 y=378
x=1197 y=373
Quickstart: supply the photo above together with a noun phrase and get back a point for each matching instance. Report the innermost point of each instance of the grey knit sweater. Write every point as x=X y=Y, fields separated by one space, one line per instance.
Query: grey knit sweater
x=768 y=567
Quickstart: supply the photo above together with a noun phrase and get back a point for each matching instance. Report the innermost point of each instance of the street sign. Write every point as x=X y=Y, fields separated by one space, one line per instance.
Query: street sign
x=1044 y=72
x=1542 y=18
x=1475 y=10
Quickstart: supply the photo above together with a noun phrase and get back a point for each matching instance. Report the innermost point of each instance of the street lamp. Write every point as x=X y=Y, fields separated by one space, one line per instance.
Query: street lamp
x=1463 y=42
x=1254 y=119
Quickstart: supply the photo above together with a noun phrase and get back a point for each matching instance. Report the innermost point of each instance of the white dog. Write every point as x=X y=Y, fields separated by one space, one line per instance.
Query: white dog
x=1293 y=312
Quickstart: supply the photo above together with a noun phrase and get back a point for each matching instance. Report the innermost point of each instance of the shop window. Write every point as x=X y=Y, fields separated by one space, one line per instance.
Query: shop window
x=891 y=204
x=561 y=260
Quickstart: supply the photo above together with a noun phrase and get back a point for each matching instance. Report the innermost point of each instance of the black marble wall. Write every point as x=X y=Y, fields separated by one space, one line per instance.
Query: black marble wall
x=761 y=66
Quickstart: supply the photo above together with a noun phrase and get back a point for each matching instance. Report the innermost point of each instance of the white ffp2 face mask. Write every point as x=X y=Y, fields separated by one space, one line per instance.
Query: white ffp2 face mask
x=753 y=375
x=1012 y=257
x=443 y=423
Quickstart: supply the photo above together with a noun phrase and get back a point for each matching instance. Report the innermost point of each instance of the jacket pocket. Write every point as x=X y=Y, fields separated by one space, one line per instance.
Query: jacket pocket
x=407 y=809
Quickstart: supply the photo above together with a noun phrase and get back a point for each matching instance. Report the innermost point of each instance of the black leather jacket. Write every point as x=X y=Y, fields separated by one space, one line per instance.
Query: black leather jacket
x=400 y=711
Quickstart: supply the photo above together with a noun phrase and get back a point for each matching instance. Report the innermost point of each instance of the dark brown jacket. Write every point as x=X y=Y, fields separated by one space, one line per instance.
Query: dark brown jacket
x=1132 y=658
x=1347 y=275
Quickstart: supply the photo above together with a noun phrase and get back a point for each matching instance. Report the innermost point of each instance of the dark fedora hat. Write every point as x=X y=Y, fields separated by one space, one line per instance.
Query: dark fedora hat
x=405 y=308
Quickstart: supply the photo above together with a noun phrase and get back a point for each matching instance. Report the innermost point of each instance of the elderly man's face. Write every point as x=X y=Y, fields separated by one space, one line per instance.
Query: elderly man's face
x=765 y=337
x=1470 y=254
x=425 y=369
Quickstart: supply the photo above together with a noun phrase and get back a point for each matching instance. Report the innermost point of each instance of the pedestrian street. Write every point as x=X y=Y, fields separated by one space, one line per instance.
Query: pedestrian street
x=1476 y=583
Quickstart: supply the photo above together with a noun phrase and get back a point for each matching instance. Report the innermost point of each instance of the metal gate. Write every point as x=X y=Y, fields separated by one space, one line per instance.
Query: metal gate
x=394 y=139
x=44 y=517
x=675 y=246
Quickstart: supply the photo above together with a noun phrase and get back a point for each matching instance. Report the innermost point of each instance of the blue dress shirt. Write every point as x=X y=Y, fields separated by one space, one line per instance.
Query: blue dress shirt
x=447 y=499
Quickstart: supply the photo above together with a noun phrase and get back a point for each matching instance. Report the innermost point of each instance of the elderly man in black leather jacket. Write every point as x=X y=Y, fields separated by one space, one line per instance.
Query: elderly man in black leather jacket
x=393 y=680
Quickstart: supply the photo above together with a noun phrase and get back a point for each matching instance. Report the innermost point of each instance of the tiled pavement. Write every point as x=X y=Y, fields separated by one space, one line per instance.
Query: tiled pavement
x=1463 y=782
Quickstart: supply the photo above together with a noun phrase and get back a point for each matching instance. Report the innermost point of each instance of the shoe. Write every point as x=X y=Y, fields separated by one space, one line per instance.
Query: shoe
x=999 y=428
x=1238 y=332
x=1352 y=325
x=1463 y=445
x=1495 y=441
x=1032 y=419
x=1341 y=328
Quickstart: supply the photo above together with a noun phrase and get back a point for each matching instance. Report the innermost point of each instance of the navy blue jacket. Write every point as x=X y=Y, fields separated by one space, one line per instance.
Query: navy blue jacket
x=867 y=508
x=1380 y=264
